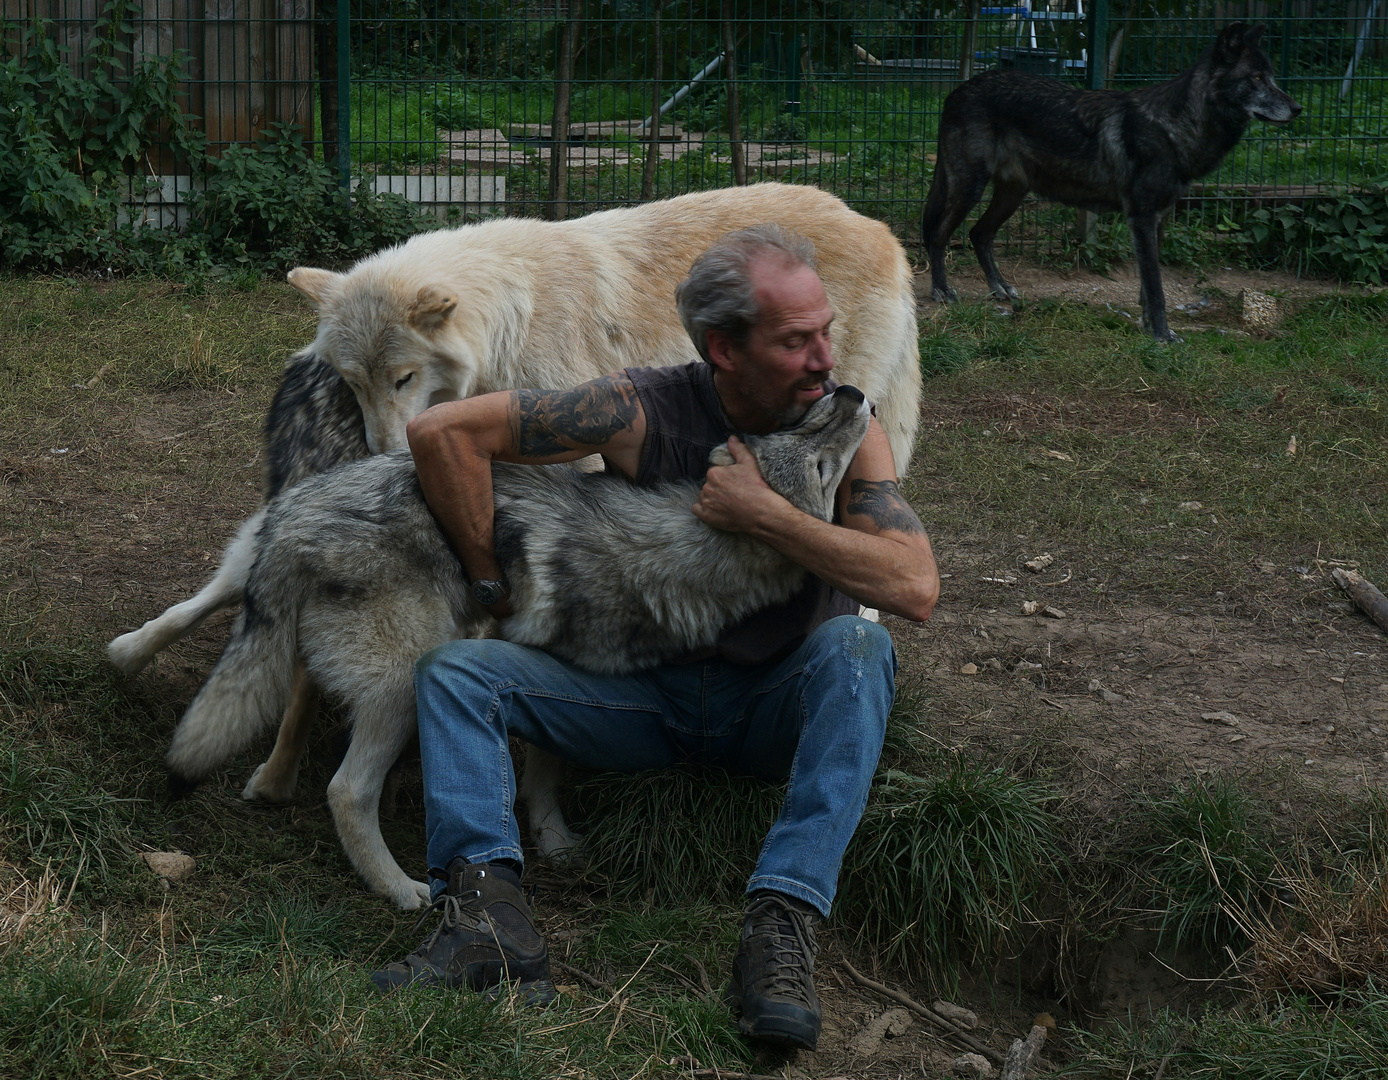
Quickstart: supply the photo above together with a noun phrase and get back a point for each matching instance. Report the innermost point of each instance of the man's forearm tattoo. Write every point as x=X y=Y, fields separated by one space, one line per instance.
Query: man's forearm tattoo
x=556 y=421
x=881 y=501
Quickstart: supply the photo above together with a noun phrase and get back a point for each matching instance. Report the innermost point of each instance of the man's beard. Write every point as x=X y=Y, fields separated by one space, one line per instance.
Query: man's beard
x=789 y=413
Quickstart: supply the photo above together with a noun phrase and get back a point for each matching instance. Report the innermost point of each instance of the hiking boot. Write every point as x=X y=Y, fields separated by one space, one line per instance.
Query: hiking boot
x=772 y=988
x=486 y=936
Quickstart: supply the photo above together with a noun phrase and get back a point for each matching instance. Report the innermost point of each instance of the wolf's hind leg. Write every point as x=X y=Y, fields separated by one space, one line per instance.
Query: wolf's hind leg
x=276 y=778
x=1006 y=199
x=131 y=652
x=382 y=723
x=959 y=196
x=539 y=790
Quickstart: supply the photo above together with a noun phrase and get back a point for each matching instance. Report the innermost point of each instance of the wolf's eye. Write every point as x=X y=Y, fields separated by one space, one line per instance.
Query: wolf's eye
x=401 y=382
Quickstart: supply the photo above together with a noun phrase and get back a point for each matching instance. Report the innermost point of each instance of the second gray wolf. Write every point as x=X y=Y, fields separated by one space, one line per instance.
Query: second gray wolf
x=1102 y=150
x=350 y=572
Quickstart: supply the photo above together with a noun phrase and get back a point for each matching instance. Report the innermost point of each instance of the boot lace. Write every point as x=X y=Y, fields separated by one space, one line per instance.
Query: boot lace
x=451 y=907
x=790 y=948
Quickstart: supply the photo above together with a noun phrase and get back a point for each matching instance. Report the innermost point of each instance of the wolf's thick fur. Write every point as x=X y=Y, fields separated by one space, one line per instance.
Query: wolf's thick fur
x=1101 y=150
x=351 y=573
x=525 y=303
x=520 y=303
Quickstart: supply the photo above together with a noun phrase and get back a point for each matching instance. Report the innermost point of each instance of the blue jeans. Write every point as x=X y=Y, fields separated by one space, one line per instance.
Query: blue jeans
x=817 y=717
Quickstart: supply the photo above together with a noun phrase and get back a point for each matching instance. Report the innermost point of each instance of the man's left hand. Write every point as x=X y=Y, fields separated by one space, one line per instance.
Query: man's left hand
x=736 y=496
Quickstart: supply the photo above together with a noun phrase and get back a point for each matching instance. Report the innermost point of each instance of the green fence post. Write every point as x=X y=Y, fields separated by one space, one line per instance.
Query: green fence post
x=344 y=95
x=1098 y=45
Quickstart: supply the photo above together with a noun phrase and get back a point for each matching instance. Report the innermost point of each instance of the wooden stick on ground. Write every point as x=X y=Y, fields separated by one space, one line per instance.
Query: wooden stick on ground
x=952 y=1029
x=1020 y=1056
x=1365 y=596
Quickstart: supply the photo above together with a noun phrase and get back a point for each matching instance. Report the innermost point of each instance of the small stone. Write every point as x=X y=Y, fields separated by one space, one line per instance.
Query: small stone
x=972 y=1066
x=1040 y=563
x=1192 y=506
x=170 y=865
x=1284 y=807
x=1291 y=446
x=1031 y=607
x=1330 y=728
x=1052 y=612
x=965 y=1018
x=1235 y=738
x=1228 y=719
x=1259 y=310
x=969 y=669
x=1310 y=761
x=1110 y=697
x=1336 y=678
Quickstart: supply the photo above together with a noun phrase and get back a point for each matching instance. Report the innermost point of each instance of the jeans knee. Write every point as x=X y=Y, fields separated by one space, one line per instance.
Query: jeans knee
x=863 y=647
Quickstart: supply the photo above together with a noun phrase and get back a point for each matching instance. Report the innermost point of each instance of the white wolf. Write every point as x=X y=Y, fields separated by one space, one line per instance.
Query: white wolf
x=351 y=573
x=521 y=303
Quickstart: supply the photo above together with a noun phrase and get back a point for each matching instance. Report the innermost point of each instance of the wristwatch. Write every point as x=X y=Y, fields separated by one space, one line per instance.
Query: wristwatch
x=488 y=593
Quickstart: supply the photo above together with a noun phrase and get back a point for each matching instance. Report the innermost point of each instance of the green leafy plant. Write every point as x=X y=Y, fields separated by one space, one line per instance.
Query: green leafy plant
x=1346 y=235
x=74 y=144
x=270 y=205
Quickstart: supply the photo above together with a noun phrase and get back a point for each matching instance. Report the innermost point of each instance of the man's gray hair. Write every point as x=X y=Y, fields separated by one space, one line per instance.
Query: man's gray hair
x=718 y=293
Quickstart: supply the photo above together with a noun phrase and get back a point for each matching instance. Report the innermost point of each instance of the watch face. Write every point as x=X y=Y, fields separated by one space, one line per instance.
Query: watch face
x=487 y=592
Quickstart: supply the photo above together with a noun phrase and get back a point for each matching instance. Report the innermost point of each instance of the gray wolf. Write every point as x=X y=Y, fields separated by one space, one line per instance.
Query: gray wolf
x=350 y=572
x=1102 y=150
x=314 y=425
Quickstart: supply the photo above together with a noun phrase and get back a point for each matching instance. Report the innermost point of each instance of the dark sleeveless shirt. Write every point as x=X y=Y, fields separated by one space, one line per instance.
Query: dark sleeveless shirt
x=684 y=421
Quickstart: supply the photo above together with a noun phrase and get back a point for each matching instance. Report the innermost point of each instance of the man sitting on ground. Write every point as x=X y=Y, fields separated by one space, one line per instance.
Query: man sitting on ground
x=798 y=691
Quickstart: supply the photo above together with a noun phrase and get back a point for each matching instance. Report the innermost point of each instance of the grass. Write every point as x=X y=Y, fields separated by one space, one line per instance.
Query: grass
x=968 y=854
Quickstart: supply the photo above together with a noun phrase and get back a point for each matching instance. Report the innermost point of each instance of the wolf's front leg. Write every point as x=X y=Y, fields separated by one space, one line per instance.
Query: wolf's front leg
x=539 y=790
x=382 y=723
x=1148 y=251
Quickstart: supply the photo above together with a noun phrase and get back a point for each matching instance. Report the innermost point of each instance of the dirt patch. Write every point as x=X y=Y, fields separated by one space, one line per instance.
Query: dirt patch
x=1193 y=297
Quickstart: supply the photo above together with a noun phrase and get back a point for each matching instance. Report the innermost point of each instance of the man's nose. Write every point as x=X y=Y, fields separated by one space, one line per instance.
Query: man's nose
x=821 y=355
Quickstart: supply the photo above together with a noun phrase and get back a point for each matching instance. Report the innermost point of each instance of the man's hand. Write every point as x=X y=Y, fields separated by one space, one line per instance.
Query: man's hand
x=736 y=496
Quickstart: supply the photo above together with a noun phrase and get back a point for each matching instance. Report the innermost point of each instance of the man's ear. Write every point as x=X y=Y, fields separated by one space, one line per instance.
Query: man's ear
x=720 y=347
x=318 y=286
x=432 y=308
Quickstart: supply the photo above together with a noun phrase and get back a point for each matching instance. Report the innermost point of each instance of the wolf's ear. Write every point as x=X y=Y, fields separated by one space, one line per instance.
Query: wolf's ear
x=719 y=455
x=1229 y=44
x=317 y=285
x=1254 y=36
x=431 y=309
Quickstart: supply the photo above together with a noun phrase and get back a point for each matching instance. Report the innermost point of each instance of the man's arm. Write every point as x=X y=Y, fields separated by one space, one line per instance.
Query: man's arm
x=454 y=445
x=879 y=554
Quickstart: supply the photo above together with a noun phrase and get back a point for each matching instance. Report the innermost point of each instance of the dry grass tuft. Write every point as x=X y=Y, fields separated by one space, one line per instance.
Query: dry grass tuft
x=1322 y=937
x=26 y=904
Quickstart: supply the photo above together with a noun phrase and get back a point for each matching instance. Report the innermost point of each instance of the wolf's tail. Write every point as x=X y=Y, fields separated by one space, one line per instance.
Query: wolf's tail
x=250 y=685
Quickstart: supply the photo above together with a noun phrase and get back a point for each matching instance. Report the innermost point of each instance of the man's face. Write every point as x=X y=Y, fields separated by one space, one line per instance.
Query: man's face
x=779 y=372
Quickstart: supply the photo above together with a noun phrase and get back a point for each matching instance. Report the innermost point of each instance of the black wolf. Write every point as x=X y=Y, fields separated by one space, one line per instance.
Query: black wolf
x=1100 y=150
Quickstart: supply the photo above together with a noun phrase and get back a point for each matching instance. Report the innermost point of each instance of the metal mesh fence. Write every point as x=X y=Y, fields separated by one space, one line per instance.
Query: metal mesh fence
x=546 y=107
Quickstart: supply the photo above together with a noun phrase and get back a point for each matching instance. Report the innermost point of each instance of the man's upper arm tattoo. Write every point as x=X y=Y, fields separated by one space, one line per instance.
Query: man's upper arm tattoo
x=556 y=421
x=881 y=501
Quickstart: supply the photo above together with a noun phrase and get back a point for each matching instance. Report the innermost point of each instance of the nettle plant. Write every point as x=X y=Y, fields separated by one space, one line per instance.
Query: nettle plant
x=1346 y=235
x=69 y=141
x=77 y=141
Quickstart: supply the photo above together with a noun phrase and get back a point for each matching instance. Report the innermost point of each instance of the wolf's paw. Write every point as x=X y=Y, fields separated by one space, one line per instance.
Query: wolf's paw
x=562 y=848
x=265 y=787
x=946 y=295
x=129 y=653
